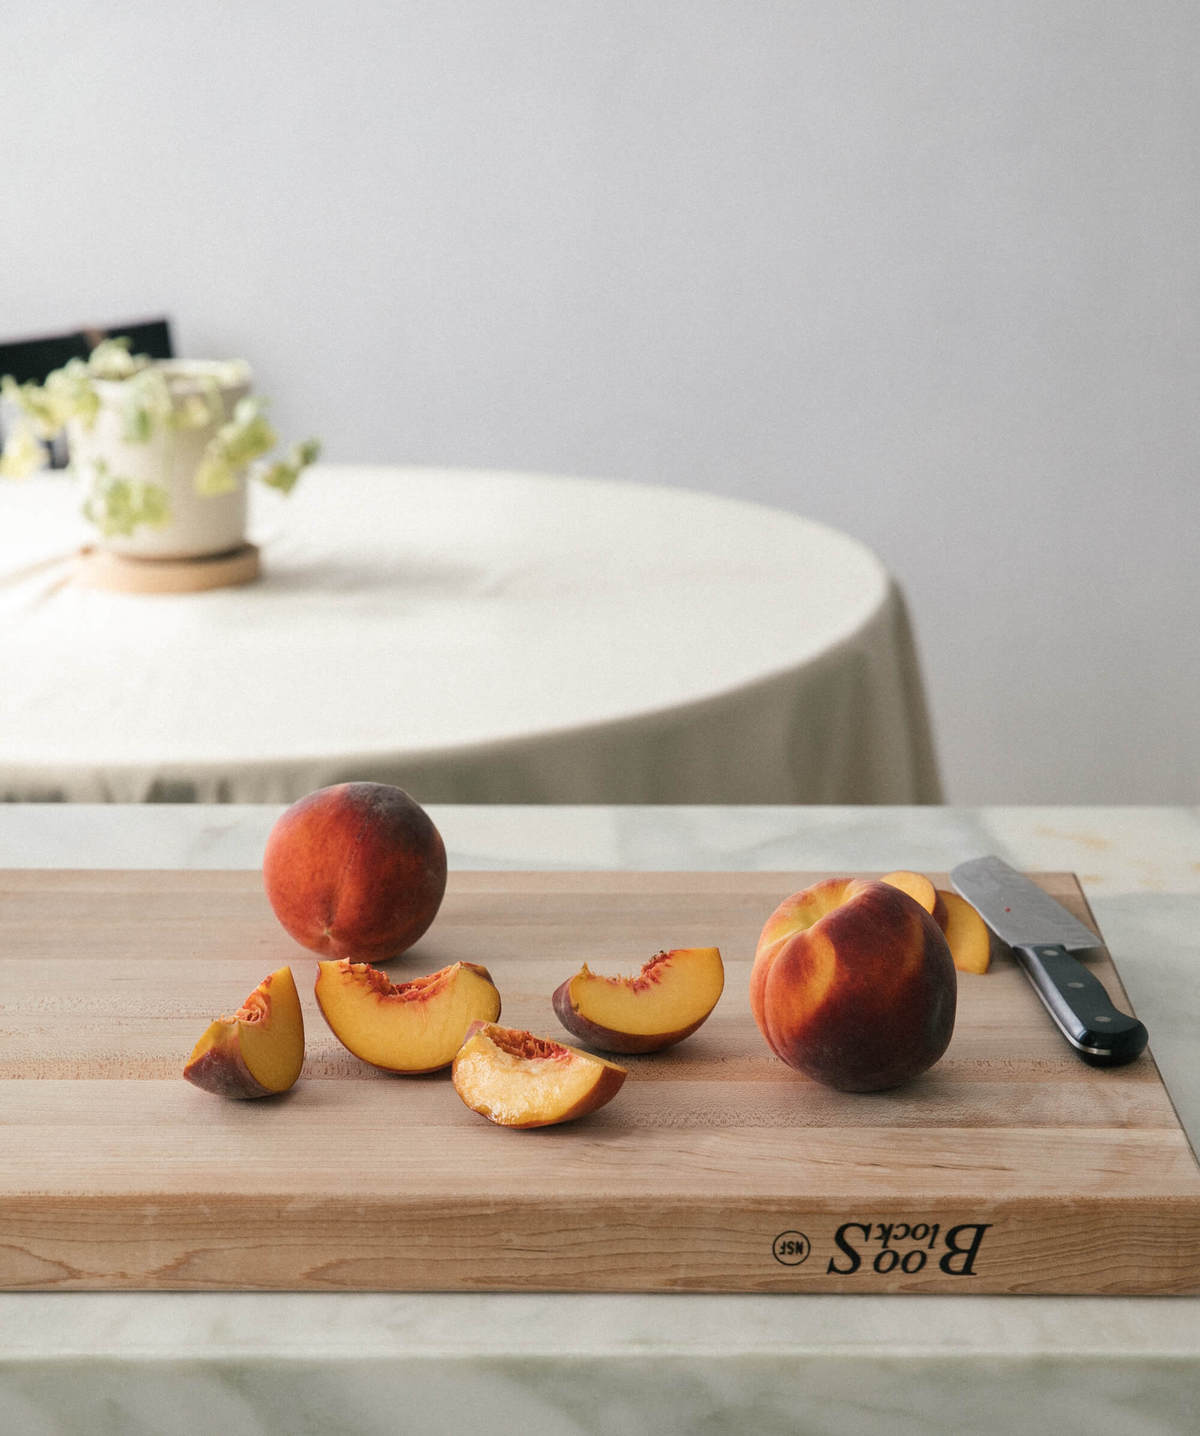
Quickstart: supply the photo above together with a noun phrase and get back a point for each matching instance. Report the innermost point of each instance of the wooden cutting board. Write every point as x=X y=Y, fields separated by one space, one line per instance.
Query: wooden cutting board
x=1009 y=1167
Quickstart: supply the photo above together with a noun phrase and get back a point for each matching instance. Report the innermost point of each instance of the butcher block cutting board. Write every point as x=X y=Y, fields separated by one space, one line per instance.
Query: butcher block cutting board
x=1011 y=1166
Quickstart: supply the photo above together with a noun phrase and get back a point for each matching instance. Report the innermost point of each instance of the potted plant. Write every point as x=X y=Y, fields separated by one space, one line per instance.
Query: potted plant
x=162 y=447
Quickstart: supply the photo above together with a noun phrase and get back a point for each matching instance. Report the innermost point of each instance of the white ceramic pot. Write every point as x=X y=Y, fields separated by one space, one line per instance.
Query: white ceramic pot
x=197 y=525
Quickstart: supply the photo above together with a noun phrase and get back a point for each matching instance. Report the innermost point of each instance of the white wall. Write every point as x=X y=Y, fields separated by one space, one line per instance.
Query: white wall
x=927 y=271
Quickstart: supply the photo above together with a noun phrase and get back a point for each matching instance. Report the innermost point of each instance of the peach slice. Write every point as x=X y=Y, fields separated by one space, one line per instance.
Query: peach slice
x=966 y=932
x=516 y=1079
x=916 y=885
x=413 y=1026
x=671 y=996
x=259 y=1050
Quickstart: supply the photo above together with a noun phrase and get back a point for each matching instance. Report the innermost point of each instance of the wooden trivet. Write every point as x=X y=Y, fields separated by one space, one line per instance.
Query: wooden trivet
x=121 y=573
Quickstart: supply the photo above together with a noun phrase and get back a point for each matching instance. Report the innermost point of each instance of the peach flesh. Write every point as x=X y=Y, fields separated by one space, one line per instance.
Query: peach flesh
x=916 y=885
x=966 y=932
x=667 y=1001
x=516 y=1079
x=258 y=1051
x=409 y=1027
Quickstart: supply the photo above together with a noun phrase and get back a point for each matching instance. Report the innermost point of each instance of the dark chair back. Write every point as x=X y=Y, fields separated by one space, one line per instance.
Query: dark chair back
x=32 y=359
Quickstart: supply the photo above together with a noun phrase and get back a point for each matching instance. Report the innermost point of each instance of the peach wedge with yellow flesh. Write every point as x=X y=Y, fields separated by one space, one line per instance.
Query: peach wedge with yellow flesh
x=671 y=996
x=259 y=1050
x=409 y=1027
x=968 y=935
x=916 y=885
x=516 y=1079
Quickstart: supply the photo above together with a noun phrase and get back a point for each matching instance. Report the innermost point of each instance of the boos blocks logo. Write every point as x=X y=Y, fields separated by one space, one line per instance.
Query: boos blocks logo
x=865 y=1247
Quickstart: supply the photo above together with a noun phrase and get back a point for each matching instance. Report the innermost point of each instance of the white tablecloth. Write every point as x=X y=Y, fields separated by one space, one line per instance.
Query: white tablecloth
x=474 y=637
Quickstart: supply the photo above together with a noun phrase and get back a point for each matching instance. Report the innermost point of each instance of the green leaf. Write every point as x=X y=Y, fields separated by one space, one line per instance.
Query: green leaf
x=111 y=359
x=66 y=394
x=247 y=435
x=146 y=405
x=215 y=475
x=243 y=438
x=118 y=505
x=284 y=474
x=196 y=411
x=23 y=453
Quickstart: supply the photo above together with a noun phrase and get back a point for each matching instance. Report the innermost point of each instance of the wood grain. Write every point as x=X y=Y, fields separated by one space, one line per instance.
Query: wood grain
x=115 y=1173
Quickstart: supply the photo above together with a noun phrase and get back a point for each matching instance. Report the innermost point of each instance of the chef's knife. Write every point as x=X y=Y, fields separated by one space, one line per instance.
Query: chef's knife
x=1042 y=935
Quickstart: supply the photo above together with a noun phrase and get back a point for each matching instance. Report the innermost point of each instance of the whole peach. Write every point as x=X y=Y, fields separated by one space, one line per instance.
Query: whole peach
x=853 y=984
x=355 y=871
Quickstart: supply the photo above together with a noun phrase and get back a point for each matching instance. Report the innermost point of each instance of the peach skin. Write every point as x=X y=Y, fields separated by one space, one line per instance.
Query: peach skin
x=356 y=871
x=853 y=984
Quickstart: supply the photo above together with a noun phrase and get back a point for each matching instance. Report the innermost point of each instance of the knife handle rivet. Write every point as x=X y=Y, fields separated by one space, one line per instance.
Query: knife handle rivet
x=1103 y=1017
x=1076 y=984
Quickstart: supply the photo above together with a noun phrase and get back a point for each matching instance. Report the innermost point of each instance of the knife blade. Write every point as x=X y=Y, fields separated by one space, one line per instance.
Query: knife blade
x=1043 y=935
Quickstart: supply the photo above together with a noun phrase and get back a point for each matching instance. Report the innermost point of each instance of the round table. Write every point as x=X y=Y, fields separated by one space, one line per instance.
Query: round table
x=474 y=637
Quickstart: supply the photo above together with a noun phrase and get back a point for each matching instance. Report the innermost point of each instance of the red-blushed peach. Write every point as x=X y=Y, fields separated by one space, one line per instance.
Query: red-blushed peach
x=357 y=870
x=259 y=1050
x=411 y=1027
x=516 y=1079
x=968 y=936
x=853 y=984
x=666 y=1002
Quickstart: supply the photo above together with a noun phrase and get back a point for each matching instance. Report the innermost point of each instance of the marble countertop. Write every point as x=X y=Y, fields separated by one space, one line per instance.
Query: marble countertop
x=161 y=1362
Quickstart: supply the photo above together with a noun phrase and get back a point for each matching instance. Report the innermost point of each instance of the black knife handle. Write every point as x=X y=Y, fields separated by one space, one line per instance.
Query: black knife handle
x=1080 y=1006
